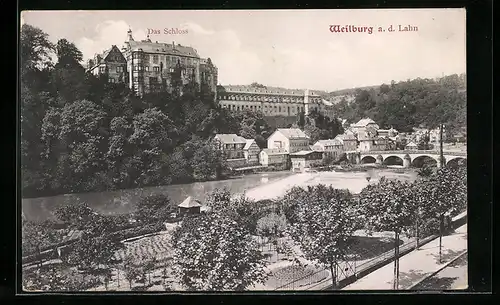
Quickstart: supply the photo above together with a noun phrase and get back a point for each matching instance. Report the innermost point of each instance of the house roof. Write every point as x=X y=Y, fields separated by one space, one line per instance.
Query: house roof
x=189 y=203
x=162 y=48
x=303 y=153
x=267 y=90
x=349 y=136
x=102 y=57
x=340 y=138
x=293 y=133
x=364 y=122
x=231 y=138
x=365 y=135
x=411 y=144
x=329 y=142
x=249 y=143
x=274 y=151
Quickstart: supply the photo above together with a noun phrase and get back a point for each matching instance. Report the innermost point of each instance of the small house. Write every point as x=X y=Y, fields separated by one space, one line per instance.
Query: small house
x=411 y=146
x=330 y=147
x=251 y=151
x=274 y=157
x=189 y=207
x=305 y=159
x=289 y=139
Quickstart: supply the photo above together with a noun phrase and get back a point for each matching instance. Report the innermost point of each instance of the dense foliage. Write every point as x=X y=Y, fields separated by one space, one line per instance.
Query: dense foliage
x=81 y=133
x=215 y=252
x=411 y=103
x=323 y=225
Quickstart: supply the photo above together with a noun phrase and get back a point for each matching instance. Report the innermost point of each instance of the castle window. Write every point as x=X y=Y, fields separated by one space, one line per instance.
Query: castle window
x=111 y=80
x=171 y=70
x=146 y=68
x=119 y=69
x=155 y=59
x=146 y=57
x=135 y=55
x=279 y=109
x=156 y=69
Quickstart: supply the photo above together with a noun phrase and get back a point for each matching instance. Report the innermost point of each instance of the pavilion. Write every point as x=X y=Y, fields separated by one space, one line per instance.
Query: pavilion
x=189 y=206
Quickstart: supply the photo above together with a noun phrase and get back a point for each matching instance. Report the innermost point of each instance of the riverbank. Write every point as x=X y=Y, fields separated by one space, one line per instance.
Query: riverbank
x=118 y=202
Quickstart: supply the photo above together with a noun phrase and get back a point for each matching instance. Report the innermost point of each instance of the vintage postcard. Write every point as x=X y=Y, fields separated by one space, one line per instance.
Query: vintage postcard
x=247 y=150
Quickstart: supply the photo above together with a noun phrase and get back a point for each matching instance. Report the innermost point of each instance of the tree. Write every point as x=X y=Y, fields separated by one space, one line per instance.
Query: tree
x=74 y=138
x=207 y=162
x=151 y=138
x=89 y=253
x=35 y=48
x=154 y=208
x=290 y=203
x=388 y=206
x=215 y=253
x=131 y=270
x=68 y=76
x=423 y=144
x=272 y=225
x=119 y=153
x=36 y=236
x=447 y=192
x=77 y=215
x=324 y=226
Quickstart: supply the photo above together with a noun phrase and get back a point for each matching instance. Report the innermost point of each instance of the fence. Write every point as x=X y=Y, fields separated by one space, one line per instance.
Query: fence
x=353 y=271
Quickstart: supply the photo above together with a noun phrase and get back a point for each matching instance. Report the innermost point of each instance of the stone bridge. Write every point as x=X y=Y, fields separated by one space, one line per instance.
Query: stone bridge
x=408 y=157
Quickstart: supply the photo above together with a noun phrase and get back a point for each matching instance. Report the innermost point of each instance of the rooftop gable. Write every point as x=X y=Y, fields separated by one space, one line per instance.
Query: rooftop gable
x=230 y=138
x=163 y=48
x=189 y=203
x=292 y=133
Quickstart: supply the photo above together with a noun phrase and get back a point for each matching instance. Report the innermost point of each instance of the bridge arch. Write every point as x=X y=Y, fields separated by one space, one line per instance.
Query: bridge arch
x=368 y=160
x=393 y=160
x=456 y=161
x=422 y=160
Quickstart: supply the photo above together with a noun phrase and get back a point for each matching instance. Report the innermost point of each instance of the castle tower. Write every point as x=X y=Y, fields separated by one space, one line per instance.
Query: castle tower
x=129 y=34
x=306 y=102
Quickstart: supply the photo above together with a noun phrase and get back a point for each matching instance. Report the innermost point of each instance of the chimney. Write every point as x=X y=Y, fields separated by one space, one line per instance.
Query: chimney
x=173 y=44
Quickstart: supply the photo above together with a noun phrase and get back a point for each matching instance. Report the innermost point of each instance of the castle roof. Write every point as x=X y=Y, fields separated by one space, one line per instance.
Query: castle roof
x=162 y=48
x=267 y=90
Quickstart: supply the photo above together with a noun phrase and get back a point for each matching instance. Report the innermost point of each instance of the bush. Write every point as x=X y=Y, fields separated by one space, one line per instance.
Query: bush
x=429 y=227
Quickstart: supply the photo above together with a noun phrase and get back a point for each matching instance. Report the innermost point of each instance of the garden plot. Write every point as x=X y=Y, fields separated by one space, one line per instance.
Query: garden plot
x=158 y=246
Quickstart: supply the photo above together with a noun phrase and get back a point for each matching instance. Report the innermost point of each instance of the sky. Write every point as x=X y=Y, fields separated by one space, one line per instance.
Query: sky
x=285 y=48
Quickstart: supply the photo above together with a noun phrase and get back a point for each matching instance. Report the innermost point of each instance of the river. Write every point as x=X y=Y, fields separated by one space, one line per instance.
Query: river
x=256 y=186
